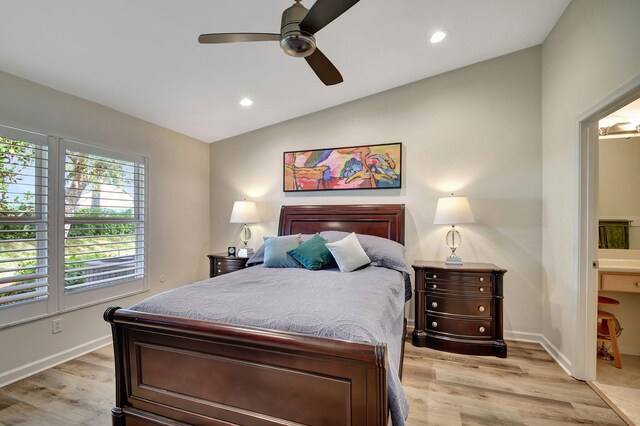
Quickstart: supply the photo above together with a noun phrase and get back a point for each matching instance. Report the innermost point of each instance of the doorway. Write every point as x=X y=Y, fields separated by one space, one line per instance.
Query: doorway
x=610 y=248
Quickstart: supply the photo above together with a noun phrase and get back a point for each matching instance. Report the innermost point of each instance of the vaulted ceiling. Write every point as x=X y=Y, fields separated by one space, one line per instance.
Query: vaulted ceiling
x=142 y=57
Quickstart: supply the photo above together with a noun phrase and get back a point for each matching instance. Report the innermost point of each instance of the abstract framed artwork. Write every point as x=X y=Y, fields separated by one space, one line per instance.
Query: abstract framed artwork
x=354 y=167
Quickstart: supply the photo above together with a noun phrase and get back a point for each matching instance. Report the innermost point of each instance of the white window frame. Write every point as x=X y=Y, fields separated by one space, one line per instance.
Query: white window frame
x=58 y=301
x=100 y=294
x=33 y=309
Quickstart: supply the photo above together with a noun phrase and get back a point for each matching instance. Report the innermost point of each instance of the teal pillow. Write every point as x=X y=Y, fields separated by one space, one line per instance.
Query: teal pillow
x=313 y=254
x=275 y=251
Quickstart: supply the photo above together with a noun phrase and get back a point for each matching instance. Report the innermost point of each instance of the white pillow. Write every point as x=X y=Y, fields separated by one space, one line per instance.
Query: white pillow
x=348 y=253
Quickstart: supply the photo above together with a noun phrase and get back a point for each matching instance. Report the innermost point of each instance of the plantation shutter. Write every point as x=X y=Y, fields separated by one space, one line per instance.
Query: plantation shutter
x=24 y=179
x=104 y=223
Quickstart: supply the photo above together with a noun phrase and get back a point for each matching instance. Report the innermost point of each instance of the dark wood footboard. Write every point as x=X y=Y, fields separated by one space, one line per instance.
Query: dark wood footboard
x=175 y=371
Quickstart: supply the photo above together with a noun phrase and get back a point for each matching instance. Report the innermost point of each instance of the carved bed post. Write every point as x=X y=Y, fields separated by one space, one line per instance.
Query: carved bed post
x=117 y=415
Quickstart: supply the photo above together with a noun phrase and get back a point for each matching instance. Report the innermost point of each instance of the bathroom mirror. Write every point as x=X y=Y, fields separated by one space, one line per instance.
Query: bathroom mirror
x=619 y=199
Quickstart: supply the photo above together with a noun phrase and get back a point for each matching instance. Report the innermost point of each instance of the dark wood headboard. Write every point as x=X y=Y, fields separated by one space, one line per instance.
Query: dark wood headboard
x=381 y=220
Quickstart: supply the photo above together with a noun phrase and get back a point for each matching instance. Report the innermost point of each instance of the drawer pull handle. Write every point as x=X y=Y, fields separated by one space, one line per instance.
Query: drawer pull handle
x=219 y=263
x=435 y=276
x=434 y=304
x=481 y=279
x=434 y=324
x=481 y=308
x=481 y=289
x=435 y=286
x=481 y=329
x=219 y=270
x=638 y=284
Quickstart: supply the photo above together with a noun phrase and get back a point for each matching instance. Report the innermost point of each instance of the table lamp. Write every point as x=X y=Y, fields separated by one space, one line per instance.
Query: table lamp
x=244 y=212
x=452 y=211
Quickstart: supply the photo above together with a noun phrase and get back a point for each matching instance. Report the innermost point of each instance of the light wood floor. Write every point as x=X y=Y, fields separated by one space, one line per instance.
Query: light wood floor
x=78 y=392
x=621 y=385
x=527 y=388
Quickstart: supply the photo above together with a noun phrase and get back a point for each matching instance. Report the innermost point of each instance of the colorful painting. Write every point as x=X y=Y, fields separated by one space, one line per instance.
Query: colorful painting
x=356 y=167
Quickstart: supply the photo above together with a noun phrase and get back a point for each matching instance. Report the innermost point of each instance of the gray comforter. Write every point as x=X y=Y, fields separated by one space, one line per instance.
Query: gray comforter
x=366 y=305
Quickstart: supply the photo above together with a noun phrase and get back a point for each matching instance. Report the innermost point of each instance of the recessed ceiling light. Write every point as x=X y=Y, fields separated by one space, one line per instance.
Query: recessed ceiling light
x=437 y=37
x=245 y=102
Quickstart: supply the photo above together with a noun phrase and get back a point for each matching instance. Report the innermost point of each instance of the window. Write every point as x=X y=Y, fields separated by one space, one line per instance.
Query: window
x=80 y=244
x=24 y=226
x=103 y=219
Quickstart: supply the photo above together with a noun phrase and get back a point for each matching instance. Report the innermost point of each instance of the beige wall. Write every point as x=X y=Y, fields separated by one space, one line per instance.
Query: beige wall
x=587 y=56
x=475 y=131
x=178 y=209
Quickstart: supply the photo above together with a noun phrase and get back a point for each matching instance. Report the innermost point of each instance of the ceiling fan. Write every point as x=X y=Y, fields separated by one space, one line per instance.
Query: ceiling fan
x=296 y=36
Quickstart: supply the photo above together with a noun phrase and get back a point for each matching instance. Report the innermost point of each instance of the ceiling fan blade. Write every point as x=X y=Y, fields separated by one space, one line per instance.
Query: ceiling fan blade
x=323 y=12
x=323 y=68
x=237 y=37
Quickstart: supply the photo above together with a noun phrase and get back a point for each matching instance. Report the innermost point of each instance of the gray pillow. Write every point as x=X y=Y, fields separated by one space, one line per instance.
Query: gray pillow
x=381 y=251
x=275 y=251
x=348 y=253
x=258 y=256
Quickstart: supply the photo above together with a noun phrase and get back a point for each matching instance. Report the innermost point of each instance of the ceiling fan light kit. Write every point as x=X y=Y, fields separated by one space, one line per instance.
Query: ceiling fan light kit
x=294 y=41
x=296 y=37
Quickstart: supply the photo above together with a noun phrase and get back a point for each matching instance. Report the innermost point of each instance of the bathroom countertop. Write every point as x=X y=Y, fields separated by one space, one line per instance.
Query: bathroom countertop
x=619 y=265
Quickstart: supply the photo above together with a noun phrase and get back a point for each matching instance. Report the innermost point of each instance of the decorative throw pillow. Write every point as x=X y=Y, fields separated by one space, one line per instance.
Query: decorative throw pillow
x=313 y=254
x=381 y=251
x=258 y=256
x=275 y=251
x=348 y=253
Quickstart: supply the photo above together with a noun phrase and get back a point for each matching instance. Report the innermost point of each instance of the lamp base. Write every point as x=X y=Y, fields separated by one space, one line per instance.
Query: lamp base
x=245 y=252
x=453 y=260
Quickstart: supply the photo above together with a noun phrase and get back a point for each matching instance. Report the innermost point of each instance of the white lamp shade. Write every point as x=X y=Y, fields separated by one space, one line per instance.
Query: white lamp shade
x=452 y=211
x=244 y=212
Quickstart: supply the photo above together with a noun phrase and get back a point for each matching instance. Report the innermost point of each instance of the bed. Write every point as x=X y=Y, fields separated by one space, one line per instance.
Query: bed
x=174 y=370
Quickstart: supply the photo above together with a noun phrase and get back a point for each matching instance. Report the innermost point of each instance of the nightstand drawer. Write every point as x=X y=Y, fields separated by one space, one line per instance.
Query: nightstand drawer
x=225 y=269
x=456 y=278
x=220 y=264
x=459 y=327
x=459 y=306
x=231 y=264
x=470 y=288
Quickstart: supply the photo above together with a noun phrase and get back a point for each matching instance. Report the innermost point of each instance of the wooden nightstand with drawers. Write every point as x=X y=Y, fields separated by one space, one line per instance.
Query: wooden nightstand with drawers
x=221 y=263
x=459 y=308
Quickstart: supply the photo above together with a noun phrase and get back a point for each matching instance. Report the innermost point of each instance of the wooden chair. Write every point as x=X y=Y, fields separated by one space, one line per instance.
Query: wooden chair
x=607 y=325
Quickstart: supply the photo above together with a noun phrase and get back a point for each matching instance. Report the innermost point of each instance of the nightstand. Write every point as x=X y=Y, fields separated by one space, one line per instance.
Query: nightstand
x=221 y=263
x=459 y=308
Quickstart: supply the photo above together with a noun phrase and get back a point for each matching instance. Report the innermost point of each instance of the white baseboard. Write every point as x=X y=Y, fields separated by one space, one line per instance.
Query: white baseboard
x=524 y=336
x=554 y=352
x=51 y=361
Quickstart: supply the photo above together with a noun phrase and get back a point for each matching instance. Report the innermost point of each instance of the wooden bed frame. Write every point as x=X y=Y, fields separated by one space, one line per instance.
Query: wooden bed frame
x=176 y=371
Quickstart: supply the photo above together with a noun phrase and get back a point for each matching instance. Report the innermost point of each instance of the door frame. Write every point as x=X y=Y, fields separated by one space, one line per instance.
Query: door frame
x=585 y=365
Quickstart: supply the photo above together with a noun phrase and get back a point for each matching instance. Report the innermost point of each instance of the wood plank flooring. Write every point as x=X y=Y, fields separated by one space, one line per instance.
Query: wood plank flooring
x=78 y=392
x=528 y=388
x=621 y=385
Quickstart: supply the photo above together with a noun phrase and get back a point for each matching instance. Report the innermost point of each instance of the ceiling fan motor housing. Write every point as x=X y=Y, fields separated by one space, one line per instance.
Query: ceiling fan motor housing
x=294 y=41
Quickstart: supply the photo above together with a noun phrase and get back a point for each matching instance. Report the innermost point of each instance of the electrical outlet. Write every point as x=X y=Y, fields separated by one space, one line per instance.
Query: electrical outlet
x=57 y=325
